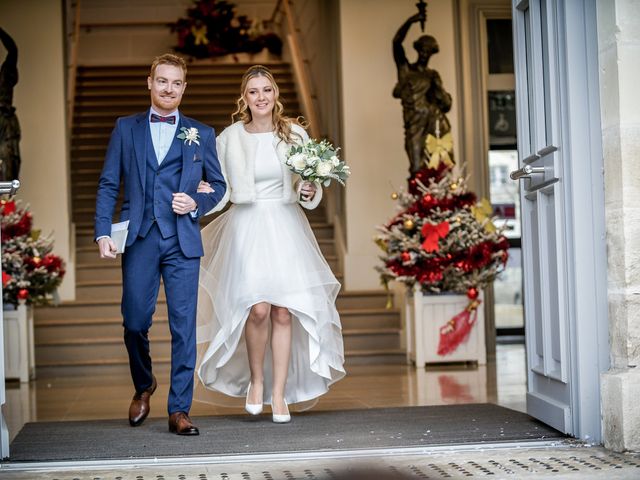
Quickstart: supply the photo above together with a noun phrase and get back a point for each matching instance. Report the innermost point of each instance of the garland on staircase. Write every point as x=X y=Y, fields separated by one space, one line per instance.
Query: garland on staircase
x=30 y=272
x=212 y=28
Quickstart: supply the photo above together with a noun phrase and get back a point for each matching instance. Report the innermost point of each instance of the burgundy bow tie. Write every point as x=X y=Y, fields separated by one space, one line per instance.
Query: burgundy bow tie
x=157 y=118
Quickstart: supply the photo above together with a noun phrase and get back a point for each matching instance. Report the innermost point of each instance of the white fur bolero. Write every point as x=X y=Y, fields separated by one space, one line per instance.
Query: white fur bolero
x=237 y=150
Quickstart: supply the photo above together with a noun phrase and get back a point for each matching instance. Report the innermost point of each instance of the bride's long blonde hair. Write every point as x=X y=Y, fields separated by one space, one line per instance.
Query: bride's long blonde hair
x=281 y=123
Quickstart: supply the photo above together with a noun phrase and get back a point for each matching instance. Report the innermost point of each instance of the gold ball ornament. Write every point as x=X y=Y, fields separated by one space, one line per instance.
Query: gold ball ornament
x=394 y=196
x=453 y=186
x=36 y=260
x=408 y=224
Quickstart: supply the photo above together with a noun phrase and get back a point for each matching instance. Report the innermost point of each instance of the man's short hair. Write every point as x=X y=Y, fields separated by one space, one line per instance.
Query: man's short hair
x=169 y=59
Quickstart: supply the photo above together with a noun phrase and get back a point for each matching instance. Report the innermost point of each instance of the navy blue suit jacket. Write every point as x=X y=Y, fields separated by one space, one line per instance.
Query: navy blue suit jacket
x=126 y=161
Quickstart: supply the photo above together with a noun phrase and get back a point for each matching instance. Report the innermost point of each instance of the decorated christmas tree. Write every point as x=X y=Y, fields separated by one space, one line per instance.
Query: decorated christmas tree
x=30 y=272
x=212 y=28
x=442 y=239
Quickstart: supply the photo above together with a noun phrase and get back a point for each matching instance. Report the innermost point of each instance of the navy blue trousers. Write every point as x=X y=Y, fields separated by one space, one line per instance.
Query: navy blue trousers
x=143 y=263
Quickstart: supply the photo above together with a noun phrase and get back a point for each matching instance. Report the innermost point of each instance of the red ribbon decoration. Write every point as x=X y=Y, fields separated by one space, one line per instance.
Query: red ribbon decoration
x=457 y=330
x=432 y=234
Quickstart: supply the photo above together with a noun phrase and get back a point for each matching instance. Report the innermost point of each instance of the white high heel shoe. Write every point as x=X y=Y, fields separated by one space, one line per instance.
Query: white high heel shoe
x=286 y=418
x=252 y=408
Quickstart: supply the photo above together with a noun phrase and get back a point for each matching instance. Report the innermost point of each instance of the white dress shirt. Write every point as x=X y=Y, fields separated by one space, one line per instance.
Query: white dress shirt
x=162 y=134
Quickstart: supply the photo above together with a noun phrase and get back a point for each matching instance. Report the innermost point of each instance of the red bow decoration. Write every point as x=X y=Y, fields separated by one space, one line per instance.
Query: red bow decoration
x=8 y=207
x=432 y=234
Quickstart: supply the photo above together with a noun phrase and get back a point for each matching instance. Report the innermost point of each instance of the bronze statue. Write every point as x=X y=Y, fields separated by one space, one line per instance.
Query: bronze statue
x=424 y=100
x=9 y=126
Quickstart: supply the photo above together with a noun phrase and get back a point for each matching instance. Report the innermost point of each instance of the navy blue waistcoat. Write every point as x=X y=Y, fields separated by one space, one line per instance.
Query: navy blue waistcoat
x=161 y=182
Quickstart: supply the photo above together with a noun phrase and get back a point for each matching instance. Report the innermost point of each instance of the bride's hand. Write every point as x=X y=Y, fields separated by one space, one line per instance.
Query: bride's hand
x=308 y=191
x=204 y=187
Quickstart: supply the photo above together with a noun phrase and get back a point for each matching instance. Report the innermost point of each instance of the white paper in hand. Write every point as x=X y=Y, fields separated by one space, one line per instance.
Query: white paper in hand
x=119 y=233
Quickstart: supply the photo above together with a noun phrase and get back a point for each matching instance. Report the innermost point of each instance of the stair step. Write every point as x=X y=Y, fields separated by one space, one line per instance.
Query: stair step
x=160 y=338
x=90 y=267
x=120 y=366
x=73 y=330
x=106 y=283
x=117 y=71
x=84 y=224
x=82 y=311
x=194 y=81
x=327 y=245
x=138 y=95
x=366 y=308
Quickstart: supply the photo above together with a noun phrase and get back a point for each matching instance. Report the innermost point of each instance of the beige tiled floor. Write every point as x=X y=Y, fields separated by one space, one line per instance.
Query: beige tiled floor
x=501 y=381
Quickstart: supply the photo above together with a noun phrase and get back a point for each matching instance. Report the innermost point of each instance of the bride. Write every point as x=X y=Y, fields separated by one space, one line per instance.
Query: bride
x=268 y=327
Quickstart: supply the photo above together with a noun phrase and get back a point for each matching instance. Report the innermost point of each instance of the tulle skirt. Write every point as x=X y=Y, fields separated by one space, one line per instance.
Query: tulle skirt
x=266 y=252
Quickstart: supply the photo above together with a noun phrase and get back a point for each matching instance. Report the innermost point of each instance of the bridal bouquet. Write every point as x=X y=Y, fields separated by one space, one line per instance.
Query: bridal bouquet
x=317 y=162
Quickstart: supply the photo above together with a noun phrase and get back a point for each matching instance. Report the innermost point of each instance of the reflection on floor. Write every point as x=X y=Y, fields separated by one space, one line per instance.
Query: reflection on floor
x=501 y=381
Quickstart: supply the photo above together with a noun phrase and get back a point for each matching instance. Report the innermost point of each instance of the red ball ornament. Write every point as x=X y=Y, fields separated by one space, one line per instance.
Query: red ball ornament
x=23 y=294
x=427 y=201
x=473 y=293
x=405 y=257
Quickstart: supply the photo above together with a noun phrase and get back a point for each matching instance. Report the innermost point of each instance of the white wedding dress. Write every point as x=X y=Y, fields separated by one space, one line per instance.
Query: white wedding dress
x=266 y=252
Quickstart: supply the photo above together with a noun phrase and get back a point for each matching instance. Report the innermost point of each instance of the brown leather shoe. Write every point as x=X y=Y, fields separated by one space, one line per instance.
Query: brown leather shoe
x=180 y=424
x=140 y=408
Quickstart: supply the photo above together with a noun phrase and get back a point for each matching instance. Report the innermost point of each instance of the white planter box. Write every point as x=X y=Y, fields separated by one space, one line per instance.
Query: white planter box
x=19 y=355
x=426 y=314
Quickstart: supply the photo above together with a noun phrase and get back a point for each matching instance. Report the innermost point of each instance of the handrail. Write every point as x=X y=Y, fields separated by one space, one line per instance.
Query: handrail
x=73 y=67
x=299 y=68
x=276 y=10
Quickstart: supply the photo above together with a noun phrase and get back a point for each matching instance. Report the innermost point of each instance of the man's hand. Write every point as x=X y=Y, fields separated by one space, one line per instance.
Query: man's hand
x=183 y=203
x=107 y=248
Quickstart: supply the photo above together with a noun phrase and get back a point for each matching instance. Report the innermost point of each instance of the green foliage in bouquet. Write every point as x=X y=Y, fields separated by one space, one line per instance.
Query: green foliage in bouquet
x=30 y=272
x=317 y=162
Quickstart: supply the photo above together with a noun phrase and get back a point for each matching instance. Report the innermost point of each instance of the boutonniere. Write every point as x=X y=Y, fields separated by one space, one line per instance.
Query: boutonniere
x=190 y=135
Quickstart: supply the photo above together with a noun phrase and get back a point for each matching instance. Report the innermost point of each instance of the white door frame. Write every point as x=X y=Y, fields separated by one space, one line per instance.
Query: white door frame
x=582 y=238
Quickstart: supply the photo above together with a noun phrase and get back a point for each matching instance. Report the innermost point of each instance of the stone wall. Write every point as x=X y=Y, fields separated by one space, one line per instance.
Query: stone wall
x=619 y=58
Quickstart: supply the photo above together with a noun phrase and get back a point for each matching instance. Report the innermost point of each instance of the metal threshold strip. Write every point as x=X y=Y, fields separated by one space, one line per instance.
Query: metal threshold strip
x=280 y=457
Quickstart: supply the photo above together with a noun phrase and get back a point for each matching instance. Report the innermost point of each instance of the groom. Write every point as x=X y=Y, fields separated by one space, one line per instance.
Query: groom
x=160 y=156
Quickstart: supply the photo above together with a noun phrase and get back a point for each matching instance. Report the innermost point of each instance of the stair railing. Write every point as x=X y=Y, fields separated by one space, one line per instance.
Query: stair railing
x=334 y=196
x=72 y=67
x=300 y=71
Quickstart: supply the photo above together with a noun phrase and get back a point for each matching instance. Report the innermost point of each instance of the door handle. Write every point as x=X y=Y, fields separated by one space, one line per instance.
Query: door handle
x=10 y=187
x=525 y=172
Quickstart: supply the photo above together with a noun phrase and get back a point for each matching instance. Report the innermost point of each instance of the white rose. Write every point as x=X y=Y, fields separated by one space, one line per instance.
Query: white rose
x=324 y=168
x=298 y=161
x=335 y=161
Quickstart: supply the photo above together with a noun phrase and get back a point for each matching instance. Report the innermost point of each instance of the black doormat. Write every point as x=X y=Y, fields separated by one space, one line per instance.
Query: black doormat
x=310 y=431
